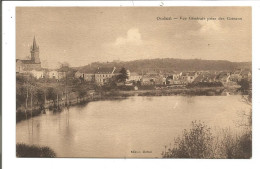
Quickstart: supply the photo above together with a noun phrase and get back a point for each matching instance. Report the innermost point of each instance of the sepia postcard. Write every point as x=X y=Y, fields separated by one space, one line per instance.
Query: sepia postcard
x=134 y=82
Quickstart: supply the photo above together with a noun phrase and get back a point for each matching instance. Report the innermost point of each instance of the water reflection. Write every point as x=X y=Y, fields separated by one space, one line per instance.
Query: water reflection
x=114 y=128
x=190 y=99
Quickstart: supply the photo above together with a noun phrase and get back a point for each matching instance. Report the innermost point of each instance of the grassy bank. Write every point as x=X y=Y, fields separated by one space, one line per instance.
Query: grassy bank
x=167 y=92
x=23 y=150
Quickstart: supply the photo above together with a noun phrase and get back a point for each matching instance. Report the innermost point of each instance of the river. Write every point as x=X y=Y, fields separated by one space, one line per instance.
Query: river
x=126 y=128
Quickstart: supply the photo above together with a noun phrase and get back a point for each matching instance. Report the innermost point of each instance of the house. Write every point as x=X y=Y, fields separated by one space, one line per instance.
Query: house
x=205 y=77
x=135 y=77
x=176 y=78
x=25 y=66
x=53 y=74
x=210 y=78
x=236 y=75
x=38 y=74
x=153 y=79
x=63 y=71
x=176 y=75
x=86 y=75
x=61 y=75
x=223 y=77
x=147 y=80
x=102 y=75
x=159 y=80
x=169 y=80
x=188 y=77
x=246 y=74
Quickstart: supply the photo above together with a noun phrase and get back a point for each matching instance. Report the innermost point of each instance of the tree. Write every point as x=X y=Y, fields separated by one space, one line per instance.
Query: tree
x=245 y=86
x=199 y=142
x=39 y=95
x=64 y=64
x=51 y=94
x=123 y=75
x=21 y=91
x=82 y=92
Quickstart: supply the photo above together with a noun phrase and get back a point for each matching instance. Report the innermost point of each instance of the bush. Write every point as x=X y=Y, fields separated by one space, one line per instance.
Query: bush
x=199 y=142
x=147 y=87
x=125 y=88
x=245 y=86
x=204 y=84
x=234 y=146
x=195 y=143
x=23 y=150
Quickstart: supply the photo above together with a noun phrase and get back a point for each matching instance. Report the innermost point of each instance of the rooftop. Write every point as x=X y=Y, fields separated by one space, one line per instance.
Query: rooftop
x=105 y=70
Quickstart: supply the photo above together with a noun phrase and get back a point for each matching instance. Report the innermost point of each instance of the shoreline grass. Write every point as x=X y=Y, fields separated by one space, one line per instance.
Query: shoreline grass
x=23 y=150
x=199 y=142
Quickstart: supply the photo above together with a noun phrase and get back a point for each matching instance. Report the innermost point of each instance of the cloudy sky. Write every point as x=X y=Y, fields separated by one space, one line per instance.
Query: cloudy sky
x=81 y=35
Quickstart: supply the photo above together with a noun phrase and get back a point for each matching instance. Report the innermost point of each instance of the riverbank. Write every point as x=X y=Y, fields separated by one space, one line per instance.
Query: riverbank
x=57 y=106
x=23 y=150
x=169 y=92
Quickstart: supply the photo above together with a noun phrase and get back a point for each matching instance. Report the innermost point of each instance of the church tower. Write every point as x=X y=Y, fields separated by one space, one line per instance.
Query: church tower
x=35 y=52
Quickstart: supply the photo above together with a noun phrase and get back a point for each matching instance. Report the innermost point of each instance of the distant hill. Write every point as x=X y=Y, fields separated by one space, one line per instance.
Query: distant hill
x=168 y=65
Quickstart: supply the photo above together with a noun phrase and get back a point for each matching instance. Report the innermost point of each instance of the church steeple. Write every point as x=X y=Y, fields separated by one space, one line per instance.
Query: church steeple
x=35 y=52
x=34 y=43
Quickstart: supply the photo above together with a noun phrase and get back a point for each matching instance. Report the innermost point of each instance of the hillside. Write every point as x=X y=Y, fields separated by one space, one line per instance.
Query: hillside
x=171 y=65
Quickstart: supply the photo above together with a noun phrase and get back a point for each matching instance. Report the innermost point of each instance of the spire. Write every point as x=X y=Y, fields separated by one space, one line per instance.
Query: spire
x=35 y=52
x=34 y=44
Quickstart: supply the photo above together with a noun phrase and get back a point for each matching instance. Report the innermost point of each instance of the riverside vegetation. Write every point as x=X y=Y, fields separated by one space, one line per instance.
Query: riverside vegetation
x=34 y=96
x=23 y=150
x=200 y=142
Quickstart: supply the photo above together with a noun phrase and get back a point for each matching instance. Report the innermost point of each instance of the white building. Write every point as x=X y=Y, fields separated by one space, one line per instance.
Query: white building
x=102 y=75
x=38 y=74
x=88 y=76
x=135 y=77
x=53 y=74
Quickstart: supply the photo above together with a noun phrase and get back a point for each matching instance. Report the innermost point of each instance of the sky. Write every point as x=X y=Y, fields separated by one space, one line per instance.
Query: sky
x=82 y=35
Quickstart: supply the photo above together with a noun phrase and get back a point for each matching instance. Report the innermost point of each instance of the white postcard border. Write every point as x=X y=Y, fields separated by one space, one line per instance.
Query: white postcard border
x=8 y=112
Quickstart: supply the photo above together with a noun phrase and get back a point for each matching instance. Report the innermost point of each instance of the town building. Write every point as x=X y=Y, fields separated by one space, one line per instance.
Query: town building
x=223 y=77
x=86 y=75
x=38 y=74
x=135 y=77
x=63 y=71
x=236 y=75
x=188 y=77
x=53 y=74
x=102 y=75
x=246 y=74
x=147 y=80
x=175 y=78
x=34 y=63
